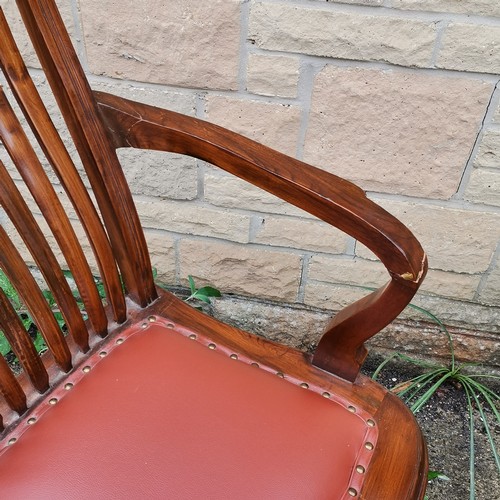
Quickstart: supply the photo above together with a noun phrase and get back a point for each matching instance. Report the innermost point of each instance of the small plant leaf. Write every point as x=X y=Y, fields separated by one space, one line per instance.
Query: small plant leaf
x=192 y=286
x=4 y=345
x=434 y=474
x=39 y=343
x=208 y=291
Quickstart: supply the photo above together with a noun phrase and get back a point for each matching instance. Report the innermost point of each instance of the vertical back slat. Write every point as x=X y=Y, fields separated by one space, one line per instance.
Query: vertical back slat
x=34 y=110
x=10 y=389
x=19 y=275
x=28 y=165
x=22 y=346
x=17 y=210
x=74 y=96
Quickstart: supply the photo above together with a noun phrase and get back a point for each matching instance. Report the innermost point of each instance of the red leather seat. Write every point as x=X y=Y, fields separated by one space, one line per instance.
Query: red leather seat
x=150 y=420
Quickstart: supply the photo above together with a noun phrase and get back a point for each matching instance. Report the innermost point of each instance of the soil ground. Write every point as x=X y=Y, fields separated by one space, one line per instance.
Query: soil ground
x=445 y=424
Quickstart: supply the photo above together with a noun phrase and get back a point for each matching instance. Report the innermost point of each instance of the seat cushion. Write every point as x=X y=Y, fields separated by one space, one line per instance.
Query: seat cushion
x=162 y=416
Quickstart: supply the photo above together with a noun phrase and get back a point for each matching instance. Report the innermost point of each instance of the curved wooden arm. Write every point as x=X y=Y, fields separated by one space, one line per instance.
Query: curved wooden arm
x=328 y=197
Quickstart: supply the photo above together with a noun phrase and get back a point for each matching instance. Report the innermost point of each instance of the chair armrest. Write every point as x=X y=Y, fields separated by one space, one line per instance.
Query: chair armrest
x=328 y=197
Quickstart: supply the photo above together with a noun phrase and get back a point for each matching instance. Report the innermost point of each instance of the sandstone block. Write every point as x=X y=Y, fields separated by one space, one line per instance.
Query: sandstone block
x=471 y=47
x=231 y=192
x=331 y=297
x=296 y=326
x=273 y=75
x=490 y=294
x=496 y=117
x=474 y=7
x=274 y=125
x=457 y=313
x=242 y=270
x=161 y=248
x=344 y=35
x=164 y=175
x=358 y=272
x=452 y=285
x=426 y=342
x=393 y=131
x=460 y=241
x=489 y=150
x=157 y=96
x=188 y=218
x=22 y=39
x=313 y=235
x=357 y=2
x=484 y=187
x=190 y=43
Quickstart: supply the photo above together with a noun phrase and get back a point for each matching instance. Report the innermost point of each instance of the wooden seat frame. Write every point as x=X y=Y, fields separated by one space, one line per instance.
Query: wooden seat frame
x=100 y=123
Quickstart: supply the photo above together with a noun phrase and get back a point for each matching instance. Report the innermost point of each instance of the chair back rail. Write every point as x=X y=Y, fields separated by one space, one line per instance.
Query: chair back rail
x=27 y=163
x=74 y=96
x=54 y=149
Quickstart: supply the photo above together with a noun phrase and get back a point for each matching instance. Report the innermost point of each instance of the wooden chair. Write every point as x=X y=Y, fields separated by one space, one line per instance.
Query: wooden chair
x=148 y=397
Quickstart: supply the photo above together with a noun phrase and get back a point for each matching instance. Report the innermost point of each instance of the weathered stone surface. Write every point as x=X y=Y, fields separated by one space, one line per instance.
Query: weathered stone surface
x=186 y=43
x=161 y=248
x=231 y=192
x=347 y=271
x=470 y=47
x=357 y=2
x=461 y=241
x=490 y=294
x=344 y=35
x=156 y=96
x=395 y=132
x=242 y=270
x=331 y=297
x=313 y=235
x=457 y=313
x=295 y=326
x=22 y=39
x=189 y=218
x=474 y=7
x=273 y=75
x=301 y=328
x=451 y=285
x=489 y=150
x=165 y=175
x=484 y=187
x=461 y=314
x=496 y=117
x=274 y=125
x=425 y=341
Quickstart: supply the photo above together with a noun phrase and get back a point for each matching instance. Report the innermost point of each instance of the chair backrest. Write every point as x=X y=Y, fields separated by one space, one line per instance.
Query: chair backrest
x=111 y=225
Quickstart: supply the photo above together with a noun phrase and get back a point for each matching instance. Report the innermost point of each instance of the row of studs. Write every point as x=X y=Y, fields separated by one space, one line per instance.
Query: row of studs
x=69 y=385
x=368 y=445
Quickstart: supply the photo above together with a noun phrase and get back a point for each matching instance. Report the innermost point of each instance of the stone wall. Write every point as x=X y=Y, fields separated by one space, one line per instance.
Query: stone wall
x=399 y=96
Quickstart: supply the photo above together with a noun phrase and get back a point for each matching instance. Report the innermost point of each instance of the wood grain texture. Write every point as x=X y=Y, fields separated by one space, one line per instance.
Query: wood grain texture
x=27 y=163
x=99 y=123
x=72 y=92
x=29 y=100
x=19 y=275
x=332 y=199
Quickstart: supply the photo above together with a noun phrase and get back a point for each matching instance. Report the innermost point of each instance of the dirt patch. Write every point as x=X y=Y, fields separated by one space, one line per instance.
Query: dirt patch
x=445 y=424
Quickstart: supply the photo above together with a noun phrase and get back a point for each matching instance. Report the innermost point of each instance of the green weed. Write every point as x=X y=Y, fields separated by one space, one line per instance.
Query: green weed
x=417 y=392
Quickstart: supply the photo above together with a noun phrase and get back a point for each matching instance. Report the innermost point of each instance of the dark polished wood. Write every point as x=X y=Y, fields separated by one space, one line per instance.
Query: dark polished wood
x=332 y=199
x=100 y=123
